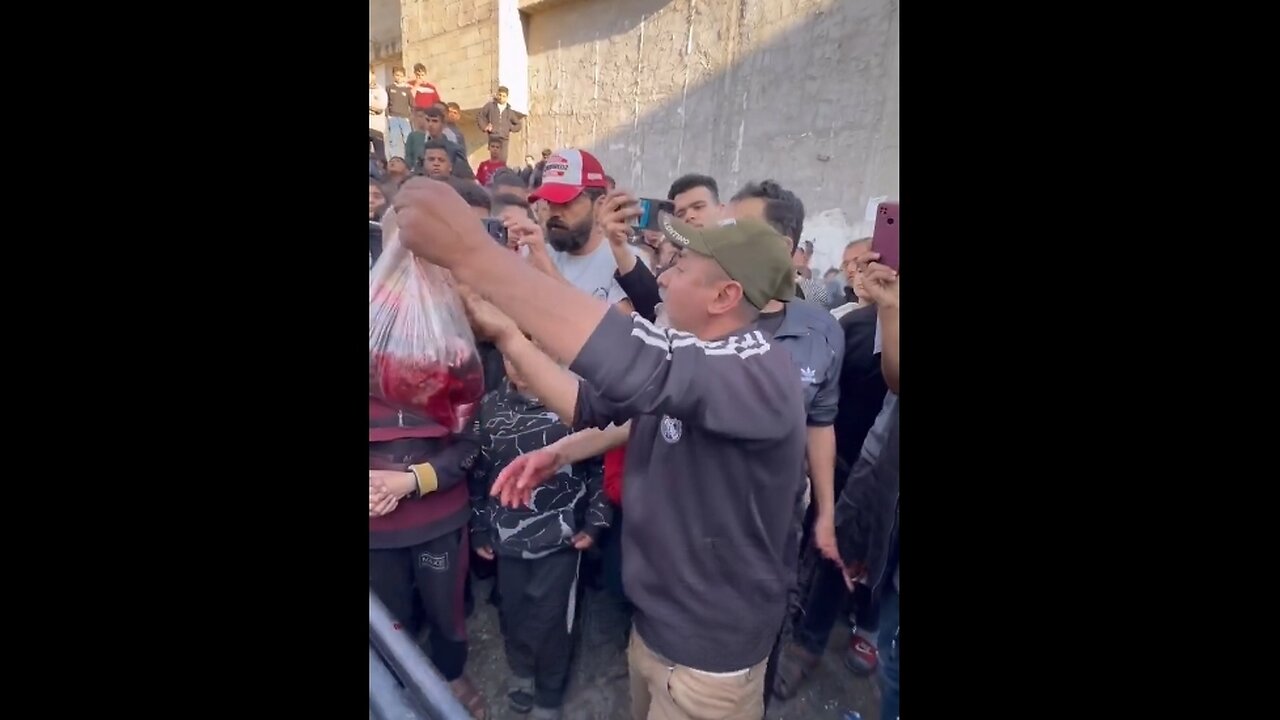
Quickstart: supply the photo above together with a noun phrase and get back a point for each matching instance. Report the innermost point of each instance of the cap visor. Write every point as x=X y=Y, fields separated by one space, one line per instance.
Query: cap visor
x=556 y=193
x=683 y=235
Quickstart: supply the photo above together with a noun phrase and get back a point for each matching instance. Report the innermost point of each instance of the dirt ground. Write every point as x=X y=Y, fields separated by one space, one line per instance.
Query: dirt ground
x=598 y=688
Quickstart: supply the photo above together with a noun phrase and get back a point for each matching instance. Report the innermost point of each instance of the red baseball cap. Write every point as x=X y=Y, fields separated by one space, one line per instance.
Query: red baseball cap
x=566 y=174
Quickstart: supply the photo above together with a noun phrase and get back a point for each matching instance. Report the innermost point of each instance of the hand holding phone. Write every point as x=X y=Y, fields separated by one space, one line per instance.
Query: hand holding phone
x=496 y=230
x=649 y=209
x=884 y=238
x=522 y=231
x=618 y=216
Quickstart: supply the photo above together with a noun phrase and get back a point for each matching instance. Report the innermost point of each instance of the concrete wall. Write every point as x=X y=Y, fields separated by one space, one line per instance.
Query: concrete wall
x=384 y=38
x=458 y=42
x=384 y=31
x=802 y=91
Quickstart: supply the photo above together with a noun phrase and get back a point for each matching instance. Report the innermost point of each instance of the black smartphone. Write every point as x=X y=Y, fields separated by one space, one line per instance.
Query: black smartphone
x=649 y=209
x=494 y=227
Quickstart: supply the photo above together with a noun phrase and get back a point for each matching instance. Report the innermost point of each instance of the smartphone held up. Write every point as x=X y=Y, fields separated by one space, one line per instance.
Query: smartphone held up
x=884 y=237
x=496 y=230
x=649 y=210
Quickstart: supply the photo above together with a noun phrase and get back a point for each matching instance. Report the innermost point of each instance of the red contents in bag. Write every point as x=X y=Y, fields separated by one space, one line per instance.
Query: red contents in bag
x=447 y=394
x=422 y=354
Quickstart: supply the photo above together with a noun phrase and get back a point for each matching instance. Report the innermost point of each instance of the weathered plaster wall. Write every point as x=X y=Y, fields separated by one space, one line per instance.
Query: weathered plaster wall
x=458 y=42
x=802 y=91
x=384 y=30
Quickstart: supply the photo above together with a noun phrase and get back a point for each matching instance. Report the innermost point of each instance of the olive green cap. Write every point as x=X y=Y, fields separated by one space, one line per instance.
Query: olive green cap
x=749 y=251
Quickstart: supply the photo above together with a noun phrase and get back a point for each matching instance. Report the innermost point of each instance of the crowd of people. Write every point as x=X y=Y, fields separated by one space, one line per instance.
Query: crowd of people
x=680 y=417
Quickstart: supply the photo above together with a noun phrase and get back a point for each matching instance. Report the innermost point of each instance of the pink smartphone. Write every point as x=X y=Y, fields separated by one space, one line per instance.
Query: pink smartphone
x=884 y=237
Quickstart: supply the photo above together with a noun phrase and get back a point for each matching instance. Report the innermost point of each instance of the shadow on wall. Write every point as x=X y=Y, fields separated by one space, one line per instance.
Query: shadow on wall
x=741 y=90
x=621 y=21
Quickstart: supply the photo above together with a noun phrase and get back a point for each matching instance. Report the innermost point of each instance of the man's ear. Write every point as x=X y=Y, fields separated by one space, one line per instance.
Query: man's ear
x=727 y=298
x=597 y=207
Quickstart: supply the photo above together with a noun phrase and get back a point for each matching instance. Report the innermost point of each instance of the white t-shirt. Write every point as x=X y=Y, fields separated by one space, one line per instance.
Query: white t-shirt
x=592 y=273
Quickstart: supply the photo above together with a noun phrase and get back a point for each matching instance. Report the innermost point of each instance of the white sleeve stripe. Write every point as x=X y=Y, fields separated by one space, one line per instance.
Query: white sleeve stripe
x=650 y=340
x=752 y=343
x=650 y=330
x=739 y=351
x=664 y=333
x=749 y=340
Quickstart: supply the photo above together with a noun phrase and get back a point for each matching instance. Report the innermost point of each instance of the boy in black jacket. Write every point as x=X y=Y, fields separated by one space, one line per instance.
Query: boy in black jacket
x=537 y=546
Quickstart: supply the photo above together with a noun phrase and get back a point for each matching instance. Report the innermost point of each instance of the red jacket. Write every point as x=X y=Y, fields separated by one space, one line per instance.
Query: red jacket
x=614 y=461
x=425 y=95
x=486 y=170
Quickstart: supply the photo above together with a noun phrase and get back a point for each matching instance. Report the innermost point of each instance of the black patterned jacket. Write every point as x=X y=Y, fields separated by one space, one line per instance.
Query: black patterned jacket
x=508 y=425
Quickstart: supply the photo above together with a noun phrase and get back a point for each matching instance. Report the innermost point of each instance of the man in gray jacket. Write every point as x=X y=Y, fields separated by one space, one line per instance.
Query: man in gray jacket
x=716 y=441
x=497 y=118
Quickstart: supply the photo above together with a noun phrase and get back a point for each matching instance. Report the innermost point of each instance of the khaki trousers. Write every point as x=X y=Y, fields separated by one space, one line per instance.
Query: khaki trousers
x=662 y=690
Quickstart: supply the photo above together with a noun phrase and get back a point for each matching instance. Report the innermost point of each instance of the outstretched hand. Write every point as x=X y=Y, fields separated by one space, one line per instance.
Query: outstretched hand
x=516 y=482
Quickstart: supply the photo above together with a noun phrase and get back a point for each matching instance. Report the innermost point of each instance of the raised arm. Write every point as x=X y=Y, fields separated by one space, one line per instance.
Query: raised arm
x=889 y=345
x=436 y=223
x=634 y=367
x=551 y=383
x=641 y=288
x=881 y=282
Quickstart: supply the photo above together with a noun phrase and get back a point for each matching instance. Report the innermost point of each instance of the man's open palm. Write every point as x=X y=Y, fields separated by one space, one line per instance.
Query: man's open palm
x=516 y=482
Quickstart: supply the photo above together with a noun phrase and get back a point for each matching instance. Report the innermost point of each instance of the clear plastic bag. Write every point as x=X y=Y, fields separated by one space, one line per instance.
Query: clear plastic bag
x=422 y=354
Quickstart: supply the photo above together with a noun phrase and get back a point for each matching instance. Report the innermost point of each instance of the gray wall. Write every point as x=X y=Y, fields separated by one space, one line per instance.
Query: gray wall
x=384 y=28
x=805 y=92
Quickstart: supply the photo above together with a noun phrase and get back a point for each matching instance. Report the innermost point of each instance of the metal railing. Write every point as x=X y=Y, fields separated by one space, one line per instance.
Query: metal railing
x=396 y=660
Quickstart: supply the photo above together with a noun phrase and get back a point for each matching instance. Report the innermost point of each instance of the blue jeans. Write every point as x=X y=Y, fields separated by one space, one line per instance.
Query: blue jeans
x=889 y=654
x=398 y=129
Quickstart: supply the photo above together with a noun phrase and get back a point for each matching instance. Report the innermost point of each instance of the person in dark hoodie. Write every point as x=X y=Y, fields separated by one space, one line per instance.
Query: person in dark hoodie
x=537 y=546
x=823 y=591
x=867 y=514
